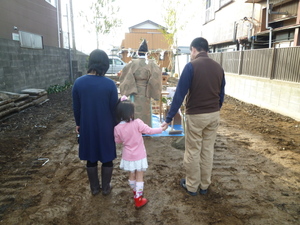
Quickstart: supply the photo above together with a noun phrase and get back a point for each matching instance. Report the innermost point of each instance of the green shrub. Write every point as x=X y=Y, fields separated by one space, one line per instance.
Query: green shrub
x=58 y=88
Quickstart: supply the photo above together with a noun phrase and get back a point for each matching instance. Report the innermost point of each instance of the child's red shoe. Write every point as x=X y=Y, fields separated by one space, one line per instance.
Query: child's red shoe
x=140 y=202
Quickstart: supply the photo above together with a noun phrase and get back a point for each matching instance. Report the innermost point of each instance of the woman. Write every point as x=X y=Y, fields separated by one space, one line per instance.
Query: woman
x=94 y=100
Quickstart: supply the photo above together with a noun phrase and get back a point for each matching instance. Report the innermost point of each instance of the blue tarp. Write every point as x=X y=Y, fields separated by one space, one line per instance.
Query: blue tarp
x=156 y=123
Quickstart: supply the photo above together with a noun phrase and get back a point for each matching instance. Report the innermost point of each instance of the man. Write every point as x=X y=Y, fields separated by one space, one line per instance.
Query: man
x=141 y=80
x=202 y=82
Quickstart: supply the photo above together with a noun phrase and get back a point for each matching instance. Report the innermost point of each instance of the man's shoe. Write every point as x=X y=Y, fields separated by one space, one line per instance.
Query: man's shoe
x=182 y=184
x=203 y=192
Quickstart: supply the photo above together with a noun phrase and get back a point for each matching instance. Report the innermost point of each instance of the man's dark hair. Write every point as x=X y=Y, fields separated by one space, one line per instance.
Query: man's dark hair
x=200 y=44
x=125 y=111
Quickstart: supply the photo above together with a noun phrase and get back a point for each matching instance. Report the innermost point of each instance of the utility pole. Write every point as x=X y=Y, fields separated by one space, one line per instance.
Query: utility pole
x=57 y=2
x=72 y=26
x=70 y=56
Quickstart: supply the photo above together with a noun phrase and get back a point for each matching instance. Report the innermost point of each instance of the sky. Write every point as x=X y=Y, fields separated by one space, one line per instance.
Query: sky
x=131 y=12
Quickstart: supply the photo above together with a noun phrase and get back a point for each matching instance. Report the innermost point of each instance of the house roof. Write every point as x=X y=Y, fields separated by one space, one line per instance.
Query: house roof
x=147 y=24
x=146 y=30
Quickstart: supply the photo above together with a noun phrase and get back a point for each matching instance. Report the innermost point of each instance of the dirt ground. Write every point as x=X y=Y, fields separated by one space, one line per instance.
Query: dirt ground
x=256 y=174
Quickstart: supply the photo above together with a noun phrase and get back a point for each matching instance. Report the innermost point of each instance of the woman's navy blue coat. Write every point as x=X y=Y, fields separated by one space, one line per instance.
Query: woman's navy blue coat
x=94 y=102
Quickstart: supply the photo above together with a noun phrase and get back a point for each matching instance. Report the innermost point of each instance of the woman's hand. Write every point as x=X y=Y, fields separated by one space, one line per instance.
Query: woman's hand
x=77 y=129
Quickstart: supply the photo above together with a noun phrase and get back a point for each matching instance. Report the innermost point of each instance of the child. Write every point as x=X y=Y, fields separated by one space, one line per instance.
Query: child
x=134 y=158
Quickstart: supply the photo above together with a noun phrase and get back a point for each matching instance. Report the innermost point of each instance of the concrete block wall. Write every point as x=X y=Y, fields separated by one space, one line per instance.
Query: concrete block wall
x=22 y=68
x=278 y=96
x=81 y=61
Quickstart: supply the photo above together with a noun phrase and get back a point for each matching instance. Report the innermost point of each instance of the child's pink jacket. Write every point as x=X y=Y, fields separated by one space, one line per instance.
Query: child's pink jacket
x=130 y=135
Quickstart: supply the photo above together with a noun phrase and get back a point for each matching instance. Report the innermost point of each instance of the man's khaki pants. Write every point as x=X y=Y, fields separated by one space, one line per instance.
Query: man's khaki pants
x=201 y=132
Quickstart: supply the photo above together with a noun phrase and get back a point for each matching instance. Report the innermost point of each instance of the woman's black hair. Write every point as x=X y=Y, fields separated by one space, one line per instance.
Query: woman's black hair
x=98 y=62
x=124 y=111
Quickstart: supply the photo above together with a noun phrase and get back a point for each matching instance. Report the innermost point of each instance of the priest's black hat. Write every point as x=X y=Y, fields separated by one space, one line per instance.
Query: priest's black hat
x=143 y=49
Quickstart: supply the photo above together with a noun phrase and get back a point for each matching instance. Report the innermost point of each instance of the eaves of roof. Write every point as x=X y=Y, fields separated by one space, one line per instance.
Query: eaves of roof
x=147 y=21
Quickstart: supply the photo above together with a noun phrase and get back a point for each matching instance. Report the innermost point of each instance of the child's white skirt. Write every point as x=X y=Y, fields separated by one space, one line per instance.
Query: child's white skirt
x=139 y=165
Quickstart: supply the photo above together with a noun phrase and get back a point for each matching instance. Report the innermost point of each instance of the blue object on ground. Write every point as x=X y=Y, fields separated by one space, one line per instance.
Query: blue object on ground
x=156 y=123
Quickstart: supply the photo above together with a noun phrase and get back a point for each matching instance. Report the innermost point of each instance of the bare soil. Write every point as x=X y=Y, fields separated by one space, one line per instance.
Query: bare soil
x=256 y=174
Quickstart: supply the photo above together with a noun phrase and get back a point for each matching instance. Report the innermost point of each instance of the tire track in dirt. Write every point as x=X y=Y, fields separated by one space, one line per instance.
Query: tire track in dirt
x=63 y=172
x=15 y=176
x=23 y=188
x=257 y=187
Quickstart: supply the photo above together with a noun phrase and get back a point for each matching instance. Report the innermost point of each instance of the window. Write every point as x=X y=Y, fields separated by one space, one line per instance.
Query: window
x=52 y=2
x=212 y=6
x=29 y=40
x=209 y=12
x=208 y=4
x=224 y=2
x=118 y=62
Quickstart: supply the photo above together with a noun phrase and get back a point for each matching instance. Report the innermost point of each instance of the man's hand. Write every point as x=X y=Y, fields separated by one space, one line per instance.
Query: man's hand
x=164 y=125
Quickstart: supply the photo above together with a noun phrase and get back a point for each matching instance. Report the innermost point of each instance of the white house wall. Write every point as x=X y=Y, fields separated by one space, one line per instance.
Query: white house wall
x=221 y=29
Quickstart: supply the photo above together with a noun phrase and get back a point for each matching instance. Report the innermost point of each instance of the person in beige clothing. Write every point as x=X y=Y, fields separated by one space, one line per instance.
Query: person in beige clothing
x=202 y=83
x=141 y=80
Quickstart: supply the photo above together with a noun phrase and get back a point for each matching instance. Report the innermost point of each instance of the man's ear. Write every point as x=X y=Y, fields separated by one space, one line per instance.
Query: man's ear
x=194 y=50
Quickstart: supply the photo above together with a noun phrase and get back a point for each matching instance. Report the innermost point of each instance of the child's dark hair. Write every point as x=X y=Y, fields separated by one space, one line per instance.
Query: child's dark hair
x=124 y=111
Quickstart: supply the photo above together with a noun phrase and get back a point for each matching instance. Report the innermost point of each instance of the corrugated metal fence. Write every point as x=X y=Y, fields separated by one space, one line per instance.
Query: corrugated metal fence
x=276 y=63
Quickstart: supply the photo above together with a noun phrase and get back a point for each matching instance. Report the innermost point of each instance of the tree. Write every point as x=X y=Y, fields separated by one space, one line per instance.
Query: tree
x=174 y=22
x=103 y=17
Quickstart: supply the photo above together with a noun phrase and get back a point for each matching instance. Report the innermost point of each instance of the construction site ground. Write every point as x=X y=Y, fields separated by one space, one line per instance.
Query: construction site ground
x=256 y=173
